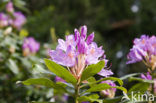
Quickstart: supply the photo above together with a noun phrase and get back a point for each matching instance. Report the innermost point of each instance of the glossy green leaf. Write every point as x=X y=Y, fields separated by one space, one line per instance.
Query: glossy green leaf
x=60 y=71
x=91 y=98
x=141 y=80
x=103 y=86
x=129 y=75
x=91 y=70
x=44 y=82
x=111 y=78
x=104 y=79
x=141 y=87
x=41 y=102
x=91 y=81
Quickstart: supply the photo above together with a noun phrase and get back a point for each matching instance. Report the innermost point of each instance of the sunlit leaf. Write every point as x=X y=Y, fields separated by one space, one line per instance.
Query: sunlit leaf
x=91 y=70
x=60 y=71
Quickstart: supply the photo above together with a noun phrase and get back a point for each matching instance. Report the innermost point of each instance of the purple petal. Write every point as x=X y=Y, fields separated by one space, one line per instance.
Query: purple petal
x=77 y=35
x=84 y=32
x=90 y=38
x=147 y=76
x=105 y=73
x=94 y=53
x=58 y=79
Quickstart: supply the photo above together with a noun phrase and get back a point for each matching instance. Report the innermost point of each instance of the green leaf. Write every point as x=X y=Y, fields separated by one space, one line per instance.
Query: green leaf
x=41 y=102
x=113 y=100
x=141 y=80
x=103 y=86
x=141 y=87
x=91 y=70
x=91 y=98
x=60 y=71
x=129 y=75
x=13 y=66
x=111 y=78
x=104 y=79
x=91 y=81
x=44 y=82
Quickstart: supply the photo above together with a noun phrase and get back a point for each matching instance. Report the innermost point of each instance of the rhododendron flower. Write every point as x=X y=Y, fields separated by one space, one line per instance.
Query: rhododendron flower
x=30 y=46
x=109 y=92
x=9 y=7
x=144 y=49
x=18 y=21
x=3 y=20
x=147 y=76
x=77 y=51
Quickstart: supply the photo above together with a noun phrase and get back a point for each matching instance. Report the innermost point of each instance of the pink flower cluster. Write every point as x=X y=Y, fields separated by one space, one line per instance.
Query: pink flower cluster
x=30 y=46
x=14 y=19
x=144 y=49
x=77 y=51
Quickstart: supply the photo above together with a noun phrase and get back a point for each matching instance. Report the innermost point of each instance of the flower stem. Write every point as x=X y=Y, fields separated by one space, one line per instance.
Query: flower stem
x=77 y=88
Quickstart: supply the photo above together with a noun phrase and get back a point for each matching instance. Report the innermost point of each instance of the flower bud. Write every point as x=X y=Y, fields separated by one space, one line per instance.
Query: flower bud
x=109 y=93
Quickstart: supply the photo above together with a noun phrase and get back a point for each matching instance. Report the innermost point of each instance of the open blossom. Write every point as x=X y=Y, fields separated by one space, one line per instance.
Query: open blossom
x=9 y=7
x=109 y=92
x=147 y=76
x=30 y=46
x=144 y=49
x=3 y=20
x=77 y=51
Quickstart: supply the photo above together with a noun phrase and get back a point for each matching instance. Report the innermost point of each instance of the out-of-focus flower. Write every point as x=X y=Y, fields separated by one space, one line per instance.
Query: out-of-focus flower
x=3 y=20
x=155 y=86
x=65 y=97
x=85 y=102
x=12 y=49
x=8 y=31
x=9 y=7
x=30 y=46
x=77 y=51
x=144 y=49
x=58 y=79
x=147 y=76
x=18 y=21
x=110 y=93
